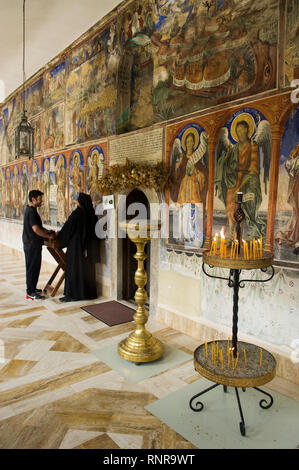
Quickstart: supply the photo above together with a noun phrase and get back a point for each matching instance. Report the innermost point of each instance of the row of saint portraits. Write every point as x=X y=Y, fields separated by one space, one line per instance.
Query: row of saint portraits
x=243 y=164
x=60 y=183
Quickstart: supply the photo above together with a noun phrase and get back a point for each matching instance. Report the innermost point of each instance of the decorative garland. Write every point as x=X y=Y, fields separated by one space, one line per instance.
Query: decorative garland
x=132 y=175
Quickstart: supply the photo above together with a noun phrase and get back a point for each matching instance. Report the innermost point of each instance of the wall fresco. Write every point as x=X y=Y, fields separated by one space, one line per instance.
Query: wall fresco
x=76 y=178
x=243 y=159
x=189 y=185
x=287 y=214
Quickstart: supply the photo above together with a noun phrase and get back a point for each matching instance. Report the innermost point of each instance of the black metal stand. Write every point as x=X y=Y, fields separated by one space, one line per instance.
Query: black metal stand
x=235 y=283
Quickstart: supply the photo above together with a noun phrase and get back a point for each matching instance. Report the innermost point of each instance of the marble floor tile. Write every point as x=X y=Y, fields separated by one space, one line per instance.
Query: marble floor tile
x=56 y=393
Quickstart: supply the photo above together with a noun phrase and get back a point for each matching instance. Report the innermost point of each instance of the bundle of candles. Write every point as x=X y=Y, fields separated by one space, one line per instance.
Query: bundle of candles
x=250 y=250
x=230 y=360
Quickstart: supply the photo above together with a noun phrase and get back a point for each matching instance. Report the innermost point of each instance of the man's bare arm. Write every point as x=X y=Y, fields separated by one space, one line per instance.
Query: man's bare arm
x=41 y=232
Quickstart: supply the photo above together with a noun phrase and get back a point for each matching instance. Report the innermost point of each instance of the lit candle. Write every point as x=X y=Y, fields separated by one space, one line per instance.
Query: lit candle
x=237 y=250
x=225 y=250
x=245 y=356
x=222 y=241
x=261 y=249
x=247 y=254
x=216 y=242
x=250 y=249
x=261 y=356
x=244 y=249
x=253 y=248
x=215 y=245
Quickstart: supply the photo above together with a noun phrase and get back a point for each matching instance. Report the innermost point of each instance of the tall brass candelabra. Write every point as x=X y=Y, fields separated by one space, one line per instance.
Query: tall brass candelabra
x=140 y=346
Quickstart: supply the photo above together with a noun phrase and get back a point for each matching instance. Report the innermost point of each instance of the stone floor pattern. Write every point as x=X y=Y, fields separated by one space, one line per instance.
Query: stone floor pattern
x=55 y=394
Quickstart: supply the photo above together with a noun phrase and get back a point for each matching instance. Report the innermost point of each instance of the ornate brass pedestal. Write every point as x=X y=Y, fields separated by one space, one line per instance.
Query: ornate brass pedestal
x=140 y=346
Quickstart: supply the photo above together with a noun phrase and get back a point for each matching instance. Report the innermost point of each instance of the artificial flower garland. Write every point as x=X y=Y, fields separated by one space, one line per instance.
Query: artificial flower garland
x=131 y=175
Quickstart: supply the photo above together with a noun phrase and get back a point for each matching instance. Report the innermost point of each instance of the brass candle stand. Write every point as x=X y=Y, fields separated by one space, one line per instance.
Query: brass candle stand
x=140 y=346
x=245 y=365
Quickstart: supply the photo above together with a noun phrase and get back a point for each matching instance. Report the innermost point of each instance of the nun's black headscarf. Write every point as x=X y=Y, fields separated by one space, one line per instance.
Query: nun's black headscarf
x=86 y=203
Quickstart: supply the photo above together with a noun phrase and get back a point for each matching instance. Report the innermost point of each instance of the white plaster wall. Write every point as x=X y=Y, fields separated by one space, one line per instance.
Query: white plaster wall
x=11 y=236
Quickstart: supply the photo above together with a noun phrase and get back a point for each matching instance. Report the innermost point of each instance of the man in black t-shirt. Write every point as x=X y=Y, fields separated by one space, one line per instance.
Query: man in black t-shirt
x=33 y=239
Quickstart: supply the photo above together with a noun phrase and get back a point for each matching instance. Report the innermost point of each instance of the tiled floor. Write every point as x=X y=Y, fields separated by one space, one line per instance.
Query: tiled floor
x=56 y=393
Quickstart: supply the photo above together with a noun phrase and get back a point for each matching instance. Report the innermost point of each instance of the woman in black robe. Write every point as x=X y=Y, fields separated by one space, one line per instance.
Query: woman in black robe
x=78 y=236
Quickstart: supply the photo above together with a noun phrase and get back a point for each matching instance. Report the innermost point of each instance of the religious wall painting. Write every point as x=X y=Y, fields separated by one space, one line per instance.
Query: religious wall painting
x=36 y=125
x=61 y=188
x=90 y=100
x=2 y=136
x=292 y=42
x=95 y=169
x=35 y=176
x=16 y=192
x=33 y=96
x=54 y=84
x=24 y=186
x=287 y=211
x=8 y=193
x=2 y=193
x=243 y=159
x=188 y=163
x=53 y=127
x=7 y=134
x=212 y=52
x=76 y=178
x=46 y=189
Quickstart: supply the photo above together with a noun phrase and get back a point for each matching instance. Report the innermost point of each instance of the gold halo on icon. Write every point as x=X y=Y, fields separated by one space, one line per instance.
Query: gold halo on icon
x=189 y=131
x=242 y=117
x=95 y=153
x=76 y=158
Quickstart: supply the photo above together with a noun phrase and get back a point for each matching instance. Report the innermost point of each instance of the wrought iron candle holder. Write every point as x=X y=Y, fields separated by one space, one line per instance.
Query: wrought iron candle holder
x=249 y=372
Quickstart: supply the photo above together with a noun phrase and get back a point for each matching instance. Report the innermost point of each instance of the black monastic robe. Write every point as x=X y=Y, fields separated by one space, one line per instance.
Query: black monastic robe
x=78 y=236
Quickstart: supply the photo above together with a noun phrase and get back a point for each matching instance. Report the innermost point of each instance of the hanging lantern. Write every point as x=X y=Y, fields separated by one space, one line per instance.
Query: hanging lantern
x=24 y=132
x=24 y=144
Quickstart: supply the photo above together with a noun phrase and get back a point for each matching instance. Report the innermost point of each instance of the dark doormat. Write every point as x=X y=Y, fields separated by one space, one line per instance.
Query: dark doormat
x=112 y=313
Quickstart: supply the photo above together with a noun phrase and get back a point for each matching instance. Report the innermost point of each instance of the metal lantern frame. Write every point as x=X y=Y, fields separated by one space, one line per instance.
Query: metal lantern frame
x=24 y=133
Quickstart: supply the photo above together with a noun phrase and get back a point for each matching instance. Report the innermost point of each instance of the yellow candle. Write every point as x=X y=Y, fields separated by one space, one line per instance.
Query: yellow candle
x=216 y=243
x=234 y=252
x=221 y=358
x=232 y=358
x=236 y=360
x=250 y=249
x=215 y=246
x=217 y=350
x=231 y=250
x=212 y=246
x=237 y=250
x=225 y=250
x=261 y=249
x=228 y=359
x=206 y=346
x=254 y=248
x=245 y=356
x=261 y=356
x=227 y=349
x=247 y=255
